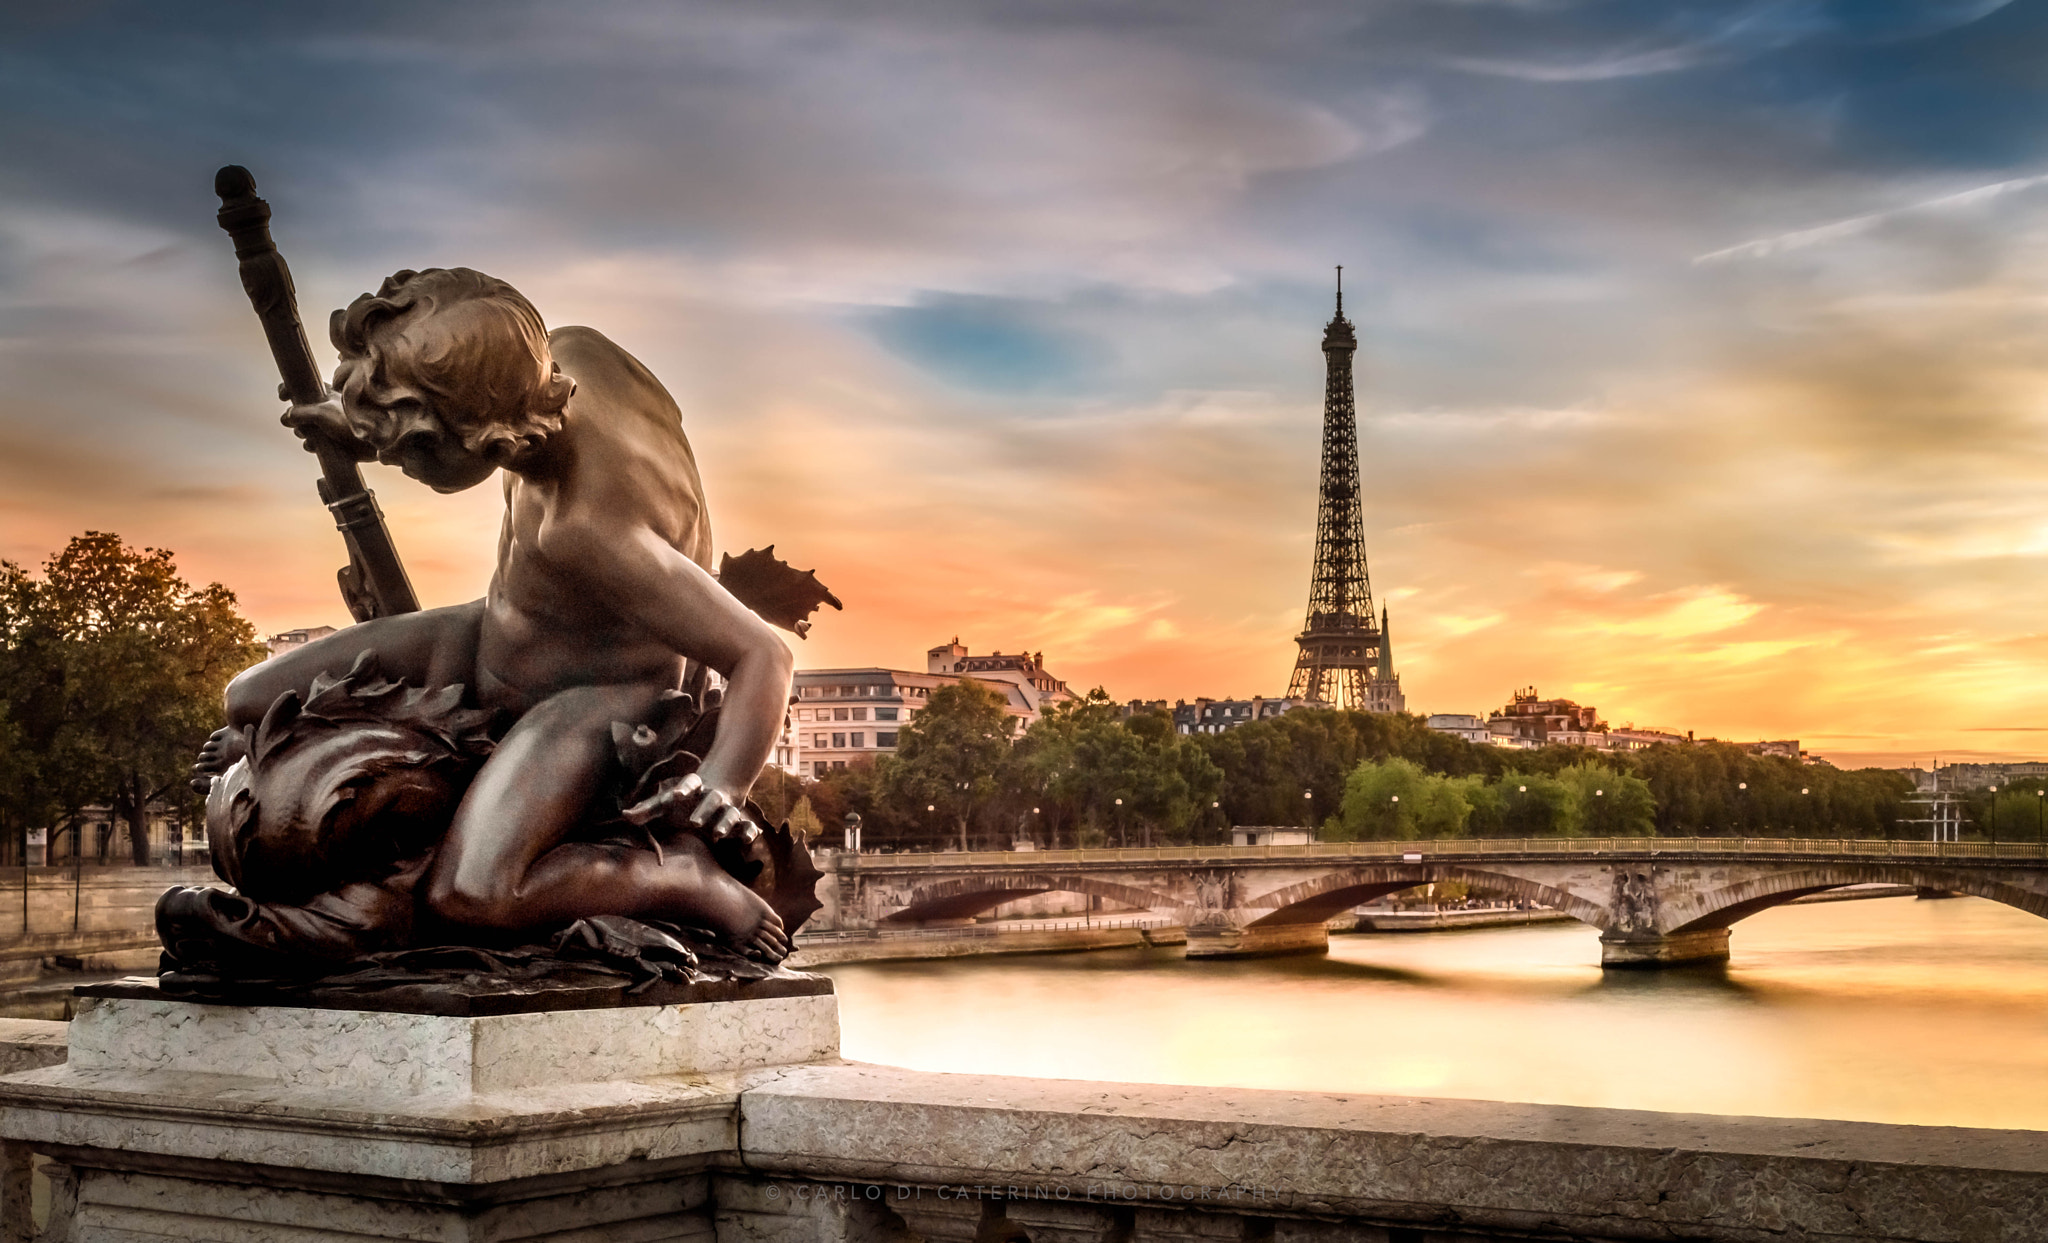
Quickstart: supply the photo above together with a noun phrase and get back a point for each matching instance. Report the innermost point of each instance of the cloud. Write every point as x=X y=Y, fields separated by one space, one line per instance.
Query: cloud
x=1616 y=65
x=1764 y=248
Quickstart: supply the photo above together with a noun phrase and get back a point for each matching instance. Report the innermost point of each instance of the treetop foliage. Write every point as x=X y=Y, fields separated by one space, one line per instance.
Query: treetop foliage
x=1348 y=774
x=113 y=668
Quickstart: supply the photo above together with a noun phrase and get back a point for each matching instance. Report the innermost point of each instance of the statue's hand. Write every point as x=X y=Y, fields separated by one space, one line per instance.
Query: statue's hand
x=712 y=812
x=718 y=816
x=326 y=421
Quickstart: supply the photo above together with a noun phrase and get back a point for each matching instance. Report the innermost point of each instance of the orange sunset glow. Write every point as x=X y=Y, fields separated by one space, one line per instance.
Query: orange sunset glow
x=1708 y=388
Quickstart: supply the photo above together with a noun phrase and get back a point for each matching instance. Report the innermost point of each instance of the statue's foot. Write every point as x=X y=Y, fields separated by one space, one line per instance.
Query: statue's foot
x=227 y=745
x=746 y=922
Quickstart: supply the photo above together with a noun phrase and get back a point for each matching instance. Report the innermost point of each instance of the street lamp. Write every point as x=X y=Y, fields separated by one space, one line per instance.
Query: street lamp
x=2040 y=824
x=1994 y=815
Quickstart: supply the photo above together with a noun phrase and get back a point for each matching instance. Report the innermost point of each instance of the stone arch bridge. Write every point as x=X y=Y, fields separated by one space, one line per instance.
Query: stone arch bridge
x=1655 y=900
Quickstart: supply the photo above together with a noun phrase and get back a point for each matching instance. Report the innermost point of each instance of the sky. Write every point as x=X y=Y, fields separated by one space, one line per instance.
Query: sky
x=1702 y=371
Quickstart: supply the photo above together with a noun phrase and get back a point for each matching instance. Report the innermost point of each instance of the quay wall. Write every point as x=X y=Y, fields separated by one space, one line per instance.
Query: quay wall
x=1053 y=937
x=102 y=916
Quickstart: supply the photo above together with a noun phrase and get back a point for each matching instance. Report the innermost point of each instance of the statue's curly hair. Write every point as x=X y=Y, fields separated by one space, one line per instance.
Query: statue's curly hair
x=469 y=342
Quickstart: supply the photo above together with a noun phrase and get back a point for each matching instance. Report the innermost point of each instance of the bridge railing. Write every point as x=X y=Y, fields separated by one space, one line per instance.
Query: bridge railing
x=1093 y=923
x=1451 y=849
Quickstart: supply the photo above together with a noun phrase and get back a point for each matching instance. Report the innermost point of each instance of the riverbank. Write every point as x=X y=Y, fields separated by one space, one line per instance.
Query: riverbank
x=1013 y=937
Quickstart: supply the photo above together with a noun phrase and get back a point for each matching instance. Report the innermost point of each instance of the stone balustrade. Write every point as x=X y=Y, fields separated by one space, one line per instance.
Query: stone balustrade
x=179 y=1120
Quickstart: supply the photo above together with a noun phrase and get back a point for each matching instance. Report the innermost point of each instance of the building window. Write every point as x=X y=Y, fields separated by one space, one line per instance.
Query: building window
x=856 y=739
x=839 y=714
x=838 y=740
x=838 y=763
x=820 y=767
x=885 y=714
x=849 y=691
x=887 y=738
x=860 y=714
x=818 y=741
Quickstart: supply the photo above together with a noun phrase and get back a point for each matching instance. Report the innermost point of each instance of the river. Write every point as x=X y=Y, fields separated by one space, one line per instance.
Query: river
x=1885 y=1010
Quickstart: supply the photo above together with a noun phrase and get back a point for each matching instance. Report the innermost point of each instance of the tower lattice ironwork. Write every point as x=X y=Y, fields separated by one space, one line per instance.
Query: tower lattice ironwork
x=1345 y=659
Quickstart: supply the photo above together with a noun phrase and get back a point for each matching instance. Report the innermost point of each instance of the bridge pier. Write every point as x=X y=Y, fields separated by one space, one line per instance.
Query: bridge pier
x=1257 y=940
x=1650 y=949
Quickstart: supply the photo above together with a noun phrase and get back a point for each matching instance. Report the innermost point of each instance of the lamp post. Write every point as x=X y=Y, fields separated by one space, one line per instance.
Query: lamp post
x=1122 y=839
x=1308 y=810
x=1994 y=815
x=2040 y=823
x=1742 y=792
x=852 y=822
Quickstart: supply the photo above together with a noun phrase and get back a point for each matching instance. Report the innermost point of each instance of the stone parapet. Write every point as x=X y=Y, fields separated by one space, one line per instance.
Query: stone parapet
x=656 y=1123
x=960 y=1149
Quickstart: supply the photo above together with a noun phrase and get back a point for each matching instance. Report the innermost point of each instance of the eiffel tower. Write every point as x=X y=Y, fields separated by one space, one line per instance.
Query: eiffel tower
x=1346 y=659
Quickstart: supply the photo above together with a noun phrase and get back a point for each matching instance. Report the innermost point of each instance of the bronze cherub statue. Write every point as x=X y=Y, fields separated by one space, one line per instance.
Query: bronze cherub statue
x=494 y=772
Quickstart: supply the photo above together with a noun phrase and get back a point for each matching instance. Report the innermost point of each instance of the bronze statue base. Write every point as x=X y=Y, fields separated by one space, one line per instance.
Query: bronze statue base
x=477 y=997
x=602 y=962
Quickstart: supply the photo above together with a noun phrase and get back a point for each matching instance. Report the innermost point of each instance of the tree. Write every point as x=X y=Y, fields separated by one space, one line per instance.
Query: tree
x=1538 y=805
x=1162 y=779
x=860 y=787
x=1397 y=800
x=777 y=793
x=1043 y=771
x=1611 y=804
x=115 y=667
x=948 y=755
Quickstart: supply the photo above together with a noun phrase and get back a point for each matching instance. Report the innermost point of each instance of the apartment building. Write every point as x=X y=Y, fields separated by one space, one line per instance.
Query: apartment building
x=845 y=715
x=1215 y=716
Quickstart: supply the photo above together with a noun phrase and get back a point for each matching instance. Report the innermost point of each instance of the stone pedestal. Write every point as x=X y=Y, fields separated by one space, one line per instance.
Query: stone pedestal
x=1257 y=940
x=176 y=1119
x=1670 y=950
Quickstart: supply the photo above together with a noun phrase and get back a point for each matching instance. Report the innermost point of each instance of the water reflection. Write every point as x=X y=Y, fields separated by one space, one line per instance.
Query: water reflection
x=1886 y=1010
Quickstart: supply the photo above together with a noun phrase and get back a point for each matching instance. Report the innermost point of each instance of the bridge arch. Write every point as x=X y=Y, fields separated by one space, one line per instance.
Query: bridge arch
x=1721 y=908
x=967 y=896
x=1318 y=899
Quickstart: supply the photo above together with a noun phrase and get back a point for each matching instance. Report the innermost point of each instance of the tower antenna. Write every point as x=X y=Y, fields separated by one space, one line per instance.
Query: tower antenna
x=1340 y=291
